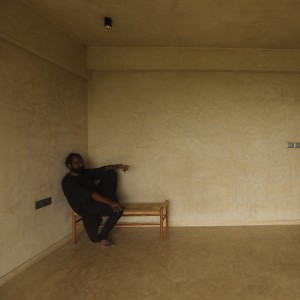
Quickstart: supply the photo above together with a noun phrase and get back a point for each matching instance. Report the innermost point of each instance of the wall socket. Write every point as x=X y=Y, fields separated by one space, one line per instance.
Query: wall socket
x=43 y=202
x=293 y=145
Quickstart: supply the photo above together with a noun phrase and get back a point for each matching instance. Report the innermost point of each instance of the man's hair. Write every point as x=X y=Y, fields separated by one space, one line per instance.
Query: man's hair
x=69 y=158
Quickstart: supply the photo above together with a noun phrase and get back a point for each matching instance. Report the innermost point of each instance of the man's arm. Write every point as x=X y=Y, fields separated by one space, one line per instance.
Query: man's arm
x=116 y=206
x=96 y=173
x=122 y=167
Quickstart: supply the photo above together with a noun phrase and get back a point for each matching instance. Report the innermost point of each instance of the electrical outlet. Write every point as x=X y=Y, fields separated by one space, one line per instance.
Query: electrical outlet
x=293 y=145
x=43 y=202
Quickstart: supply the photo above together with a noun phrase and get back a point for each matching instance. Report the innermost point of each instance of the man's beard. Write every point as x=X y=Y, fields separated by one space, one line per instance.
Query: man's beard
x=79 y=170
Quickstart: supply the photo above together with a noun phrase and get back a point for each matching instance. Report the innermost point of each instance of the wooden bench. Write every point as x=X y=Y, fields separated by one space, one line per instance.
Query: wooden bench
x=160 y=210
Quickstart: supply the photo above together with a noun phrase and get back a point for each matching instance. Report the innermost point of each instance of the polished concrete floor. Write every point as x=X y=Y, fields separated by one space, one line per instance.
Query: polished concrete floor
x=243 y=263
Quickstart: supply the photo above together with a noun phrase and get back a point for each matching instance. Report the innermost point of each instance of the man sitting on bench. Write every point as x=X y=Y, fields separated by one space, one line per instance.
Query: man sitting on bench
x=92 y=201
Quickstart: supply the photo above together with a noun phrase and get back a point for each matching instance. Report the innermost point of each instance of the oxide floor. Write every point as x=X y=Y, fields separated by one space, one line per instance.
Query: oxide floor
x=204 y=263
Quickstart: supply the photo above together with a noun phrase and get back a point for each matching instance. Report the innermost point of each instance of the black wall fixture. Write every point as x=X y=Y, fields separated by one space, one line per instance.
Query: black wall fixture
x=107 y=23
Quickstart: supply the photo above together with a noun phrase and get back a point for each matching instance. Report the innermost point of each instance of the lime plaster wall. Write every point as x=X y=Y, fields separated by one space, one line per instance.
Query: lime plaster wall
x=214 y=143
x=26 y=28
x=43 y=116
x=192 y=59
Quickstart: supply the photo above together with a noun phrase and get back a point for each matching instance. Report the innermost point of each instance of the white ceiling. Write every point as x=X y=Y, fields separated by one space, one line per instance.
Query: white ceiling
x=182 y=23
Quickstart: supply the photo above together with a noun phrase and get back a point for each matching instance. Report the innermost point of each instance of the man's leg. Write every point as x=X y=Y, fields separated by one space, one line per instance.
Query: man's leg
x=107 y=186
x=113 y=217
x=91 y=223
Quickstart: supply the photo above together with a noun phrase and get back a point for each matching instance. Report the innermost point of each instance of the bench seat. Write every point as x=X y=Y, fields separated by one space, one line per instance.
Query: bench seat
x=160 y=210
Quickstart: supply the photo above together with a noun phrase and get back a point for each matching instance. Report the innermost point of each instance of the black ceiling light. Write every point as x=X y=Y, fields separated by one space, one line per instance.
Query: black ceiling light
x=107 y=23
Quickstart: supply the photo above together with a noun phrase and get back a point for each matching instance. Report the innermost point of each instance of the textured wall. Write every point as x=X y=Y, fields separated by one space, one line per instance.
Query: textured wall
x=42 y=118
x=193 y=58
x=25 y=27
x=213 y=143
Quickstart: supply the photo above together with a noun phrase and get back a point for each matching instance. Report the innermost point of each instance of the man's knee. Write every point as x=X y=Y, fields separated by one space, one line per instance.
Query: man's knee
x=112 y=174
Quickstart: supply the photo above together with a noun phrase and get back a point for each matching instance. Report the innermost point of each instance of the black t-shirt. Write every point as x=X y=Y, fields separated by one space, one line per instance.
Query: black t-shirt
x=79 y=189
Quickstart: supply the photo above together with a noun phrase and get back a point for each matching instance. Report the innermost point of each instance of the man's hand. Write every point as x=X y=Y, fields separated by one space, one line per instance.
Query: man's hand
x=121 y=167
x=116 y=206
x=124 y=168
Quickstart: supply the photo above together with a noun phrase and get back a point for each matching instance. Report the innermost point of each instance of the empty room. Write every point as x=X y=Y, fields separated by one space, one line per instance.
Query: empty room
x=198 y=102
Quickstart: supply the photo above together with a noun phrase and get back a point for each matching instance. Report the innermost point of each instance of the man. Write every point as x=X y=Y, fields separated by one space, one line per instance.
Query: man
x=92 y=201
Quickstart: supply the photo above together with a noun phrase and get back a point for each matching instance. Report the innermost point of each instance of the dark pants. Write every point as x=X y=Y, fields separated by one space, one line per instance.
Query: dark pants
x=92 y=218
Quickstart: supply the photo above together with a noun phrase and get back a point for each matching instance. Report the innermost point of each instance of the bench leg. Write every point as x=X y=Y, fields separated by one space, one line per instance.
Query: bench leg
x=161 y=224
x=74 y=227
x=167 y=215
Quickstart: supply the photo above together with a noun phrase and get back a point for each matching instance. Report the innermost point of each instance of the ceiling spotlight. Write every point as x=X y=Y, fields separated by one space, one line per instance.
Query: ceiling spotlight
x=107 y=23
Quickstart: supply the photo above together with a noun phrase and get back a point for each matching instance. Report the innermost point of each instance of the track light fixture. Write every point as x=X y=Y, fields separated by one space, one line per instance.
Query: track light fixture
x=107 y=23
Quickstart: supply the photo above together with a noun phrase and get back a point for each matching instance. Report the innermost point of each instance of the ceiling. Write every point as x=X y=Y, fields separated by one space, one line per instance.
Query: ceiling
x=178 y=23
